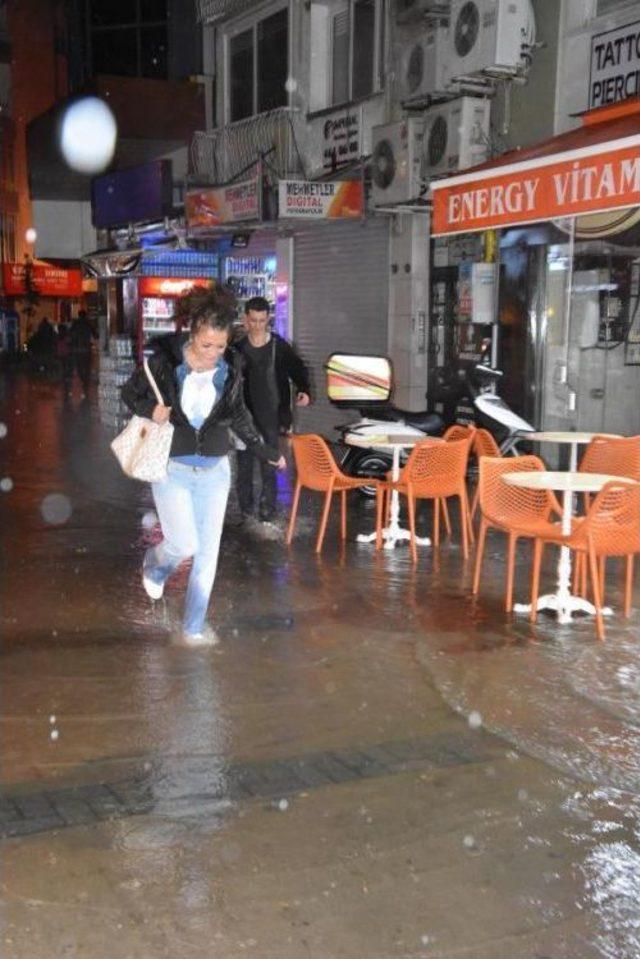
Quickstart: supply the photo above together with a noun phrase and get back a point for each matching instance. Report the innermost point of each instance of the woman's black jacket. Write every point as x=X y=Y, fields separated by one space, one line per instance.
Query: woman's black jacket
x=229 y=410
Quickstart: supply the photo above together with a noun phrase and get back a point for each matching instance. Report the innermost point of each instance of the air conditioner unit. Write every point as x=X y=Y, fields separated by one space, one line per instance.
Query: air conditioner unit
x=419 y=63
x=456 y=136
x=395 y=161
x=487 y=37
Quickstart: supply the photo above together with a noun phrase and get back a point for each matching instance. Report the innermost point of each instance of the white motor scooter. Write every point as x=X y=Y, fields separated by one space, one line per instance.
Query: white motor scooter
x=492 y=407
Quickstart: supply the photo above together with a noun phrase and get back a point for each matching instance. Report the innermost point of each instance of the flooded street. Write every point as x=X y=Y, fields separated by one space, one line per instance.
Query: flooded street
x=369 y=764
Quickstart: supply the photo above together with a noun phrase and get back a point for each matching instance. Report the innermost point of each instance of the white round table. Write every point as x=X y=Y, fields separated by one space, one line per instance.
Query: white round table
x=563 y=601
x=395 y=442
x=568 y=437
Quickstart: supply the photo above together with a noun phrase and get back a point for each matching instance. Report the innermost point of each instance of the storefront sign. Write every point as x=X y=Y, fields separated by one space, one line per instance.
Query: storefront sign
x=341 y=140
x=229 y=204
x=169 y=285
x=615 y=65
x=592 y=179
x=303 y=199
x=47 y=280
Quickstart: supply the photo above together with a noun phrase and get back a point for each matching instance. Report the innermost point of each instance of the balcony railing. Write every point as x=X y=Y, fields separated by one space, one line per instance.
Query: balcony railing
x=221 y=155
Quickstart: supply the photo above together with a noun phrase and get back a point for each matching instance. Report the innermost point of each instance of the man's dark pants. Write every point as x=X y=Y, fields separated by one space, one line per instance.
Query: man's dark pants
x=246 y=459
x=82 y=362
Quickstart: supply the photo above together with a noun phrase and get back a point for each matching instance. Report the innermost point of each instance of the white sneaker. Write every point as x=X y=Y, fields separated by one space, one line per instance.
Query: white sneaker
x=153 y=590
x=209 y=638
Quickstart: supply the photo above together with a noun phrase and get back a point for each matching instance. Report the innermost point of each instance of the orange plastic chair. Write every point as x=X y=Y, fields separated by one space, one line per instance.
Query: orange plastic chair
x=483 y=445
x=610 y=528
x=615 y=455
x=458 y=431
x=435 y=471
x=317 y=470
x=515 y=511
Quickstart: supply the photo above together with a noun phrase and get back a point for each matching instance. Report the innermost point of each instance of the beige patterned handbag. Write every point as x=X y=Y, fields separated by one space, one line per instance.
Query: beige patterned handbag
x=142 y=448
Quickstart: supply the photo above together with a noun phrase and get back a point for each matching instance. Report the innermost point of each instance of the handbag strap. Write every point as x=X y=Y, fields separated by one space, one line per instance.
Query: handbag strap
x=152 y=382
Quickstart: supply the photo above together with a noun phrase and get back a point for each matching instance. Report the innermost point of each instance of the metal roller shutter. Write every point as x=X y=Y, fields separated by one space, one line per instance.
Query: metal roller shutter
x=340 y=282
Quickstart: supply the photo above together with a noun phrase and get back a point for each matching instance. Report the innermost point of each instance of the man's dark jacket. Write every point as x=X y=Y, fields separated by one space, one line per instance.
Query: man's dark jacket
x=229 y=410
x=289 y=368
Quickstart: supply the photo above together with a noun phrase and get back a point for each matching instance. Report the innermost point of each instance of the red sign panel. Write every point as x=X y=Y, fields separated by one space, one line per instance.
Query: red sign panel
x=584 y=181
x=169 y=286
x=47 y=280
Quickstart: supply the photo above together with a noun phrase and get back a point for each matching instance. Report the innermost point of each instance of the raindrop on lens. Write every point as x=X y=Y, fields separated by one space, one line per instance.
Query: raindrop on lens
x=55 y=508
x=6 y=484
x=3 y=430
x=30 y=235
x=283 y=805
x=149 y=519
x=54 y=734
x=88 y=135
x=291 y=85
x=469 y=842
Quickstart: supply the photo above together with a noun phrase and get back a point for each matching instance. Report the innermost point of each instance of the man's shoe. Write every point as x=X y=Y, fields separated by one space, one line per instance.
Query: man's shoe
x=153 y=590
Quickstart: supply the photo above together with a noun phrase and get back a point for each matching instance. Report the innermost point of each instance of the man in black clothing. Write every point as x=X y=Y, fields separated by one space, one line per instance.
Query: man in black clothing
x=270 y=366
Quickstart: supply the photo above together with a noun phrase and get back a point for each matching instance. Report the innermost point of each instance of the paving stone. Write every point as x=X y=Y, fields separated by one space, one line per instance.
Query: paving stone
x=9 y=811
x=35 y=806
x=74 y=812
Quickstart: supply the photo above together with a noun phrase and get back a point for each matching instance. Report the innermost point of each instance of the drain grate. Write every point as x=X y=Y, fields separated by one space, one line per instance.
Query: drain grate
x=25 y=812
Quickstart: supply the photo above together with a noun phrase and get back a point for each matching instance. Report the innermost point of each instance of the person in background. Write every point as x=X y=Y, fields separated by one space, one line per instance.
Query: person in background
x=63 y=350
x=81 y=337
x=41 y=346
x=200 y=382
x=270 y=366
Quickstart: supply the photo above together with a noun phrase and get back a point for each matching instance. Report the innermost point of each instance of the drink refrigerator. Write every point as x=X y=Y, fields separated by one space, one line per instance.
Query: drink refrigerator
x=157 y=296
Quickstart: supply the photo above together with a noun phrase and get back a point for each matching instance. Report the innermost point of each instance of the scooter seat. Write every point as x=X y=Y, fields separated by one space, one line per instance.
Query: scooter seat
x=430 y=423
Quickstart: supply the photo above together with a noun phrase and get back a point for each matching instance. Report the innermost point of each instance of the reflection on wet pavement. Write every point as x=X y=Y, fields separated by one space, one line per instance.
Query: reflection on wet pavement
x=302 y=789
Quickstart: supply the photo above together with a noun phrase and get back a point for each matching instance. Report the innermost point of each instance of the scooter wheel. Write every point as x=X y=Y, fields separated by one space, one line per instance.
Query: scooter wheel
x=371 y=464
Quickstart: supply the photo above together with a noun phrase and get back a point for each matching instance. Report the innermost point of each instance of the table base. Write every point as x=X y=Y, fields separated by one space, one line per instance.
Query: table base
x=564 y=606
x=391 y=535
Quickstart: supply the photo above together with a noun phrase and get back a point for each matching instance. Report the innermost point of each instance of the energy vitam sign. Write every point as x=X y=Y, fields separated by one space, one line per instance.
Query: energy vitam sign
x=592 y=179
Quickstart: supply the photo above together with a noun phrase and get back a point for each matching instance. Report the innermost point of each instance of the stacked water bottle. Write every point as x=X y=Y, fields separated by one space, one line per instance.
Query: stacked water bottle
x=116 y=367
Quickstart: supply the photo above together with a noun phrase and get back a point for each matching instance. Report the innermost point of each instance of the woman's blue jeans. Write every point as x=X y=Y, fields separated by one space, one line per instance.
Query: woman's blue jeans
x=191 y=504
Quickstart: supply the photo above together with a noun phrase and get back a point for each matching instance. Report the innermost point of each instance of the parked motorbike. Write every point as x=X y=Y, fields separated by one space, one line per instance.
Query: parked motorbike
x=364 y=383
x=492 y=410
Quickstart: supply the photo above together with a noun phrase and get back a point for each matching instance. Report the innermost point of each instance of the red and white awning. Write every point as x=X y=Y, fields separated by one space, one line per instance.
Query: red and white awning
x=592 y=169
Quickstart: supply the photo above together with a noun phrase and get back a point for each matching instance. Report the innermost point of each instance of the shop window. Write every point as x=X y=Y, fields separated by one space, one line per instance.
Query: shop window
x=116 y=52
x=348 y=39
x=128 y=37
x=259 y=66
x=110 y=12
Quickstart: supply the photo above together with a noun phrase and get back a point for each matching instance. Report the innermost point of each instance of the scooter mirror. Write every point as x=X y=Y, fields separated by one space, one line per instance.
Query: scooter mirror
x=357 y=380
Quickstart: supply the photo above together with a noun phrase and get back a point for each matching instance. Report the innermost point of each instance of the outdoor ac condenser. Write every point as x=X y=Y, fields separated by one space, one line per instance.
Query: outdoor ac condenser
x=396 y=161
x=419 y=62
x=488 y=37
x=456 y=136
